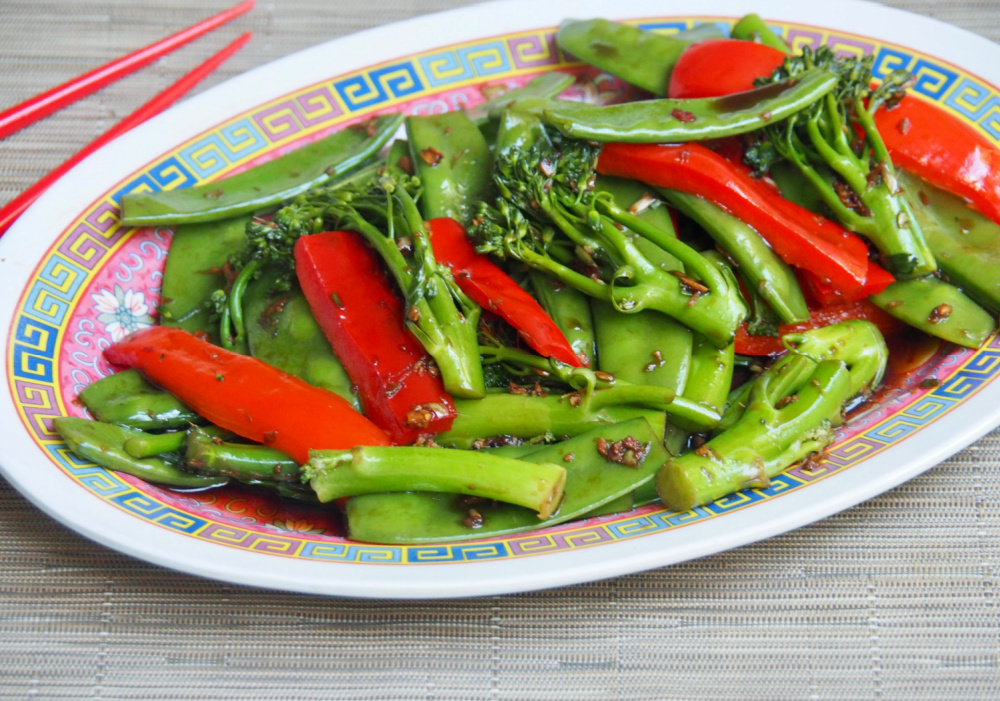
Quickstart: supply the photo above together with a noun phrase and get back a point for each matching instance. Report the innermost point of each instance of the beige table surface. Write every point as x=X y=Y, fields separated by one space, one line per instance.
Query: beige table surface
x=894 y=599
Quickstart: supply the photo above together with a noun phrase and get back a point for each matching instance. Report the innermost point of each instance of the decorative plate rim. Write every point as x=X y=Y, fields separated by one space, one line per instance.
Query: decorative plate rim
x=971 y=418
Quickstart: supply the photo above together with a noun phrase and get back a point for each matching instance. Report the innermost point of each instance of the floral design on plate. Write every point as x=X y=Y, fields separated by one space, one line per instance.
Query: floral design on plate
x=122 y=311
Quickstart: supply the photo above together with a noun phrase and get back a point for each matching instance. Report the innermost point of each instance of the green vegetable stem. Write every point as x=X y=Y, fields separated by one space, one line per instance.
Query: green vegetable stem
x=766 y=274
x=147 y=445
x=104 y=444
x=753 y=28
x=366 y=470
x=549 y=219
x=208 y=455
x=776 y=430
x=594 y=479
x=857 y=181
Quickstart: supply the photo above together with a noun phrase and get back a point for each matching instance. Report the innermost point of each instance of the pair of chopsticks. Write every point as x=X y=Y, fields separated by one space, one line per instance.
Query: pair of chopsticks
x=30 y=111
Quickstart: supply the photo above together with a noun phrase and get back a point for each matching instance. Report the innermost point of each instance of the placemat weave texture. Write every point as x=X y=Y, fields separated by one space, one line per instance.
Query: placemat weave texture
x=894 y=599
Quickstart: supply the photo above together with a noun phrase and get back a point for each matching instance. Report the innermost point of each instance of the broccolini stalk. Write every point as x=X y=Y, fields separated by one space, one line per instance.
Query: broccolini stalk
x=854 y=176
x=373 y=469
x=382 y=208
x=781 y=425
x=549 y=218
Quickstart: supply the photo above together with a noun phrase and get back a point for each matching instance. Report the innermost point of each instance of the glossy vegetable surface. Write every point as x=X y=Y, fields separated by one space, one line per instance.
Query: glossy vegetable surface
x=266 y=185
x=245 y=395
x=798 y=236
x=363 y=319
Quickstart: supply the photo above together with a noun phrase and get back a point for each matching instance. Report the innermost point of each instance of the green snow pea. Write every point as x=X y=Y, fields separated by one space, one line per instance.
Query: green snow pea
x=641 y=58
x=525 y=417
x=592 y=481
x=965 y=243
x=194 y=270
x=266 y=185
x=125 y=398
x=938 y=309
x=452 y=160
x=646 y=348
x=770 y=276
x=677 y=120
x=104 y=444
x=570 y=309
x=282 y=331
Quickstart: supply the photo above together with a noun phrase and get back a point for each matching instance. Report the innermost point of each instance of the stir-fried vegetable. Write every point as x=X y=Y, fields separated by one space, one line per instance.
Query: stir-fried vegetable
x=478 y=335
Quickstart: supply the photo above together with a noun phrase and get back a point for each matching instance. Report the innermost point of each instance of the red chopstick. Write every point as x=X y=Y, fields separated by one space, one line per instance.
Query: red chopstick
x=16 y=207
x=29 y=111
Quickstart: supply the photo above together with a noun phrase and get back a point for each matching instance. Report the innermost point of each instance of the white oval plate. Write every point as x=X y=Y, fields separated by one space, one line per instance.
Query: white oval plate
x=70 y=281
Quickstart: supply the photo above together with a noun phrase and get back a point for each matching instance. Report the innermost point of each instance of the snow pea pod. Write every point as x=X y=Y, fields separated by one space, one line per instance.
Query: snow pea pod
x=452 y=160
x=104 y=444
x=127 y=399
x=770 y=276
x=679 y=120
x=194 y=270
x=266 y=185
x=523 y=416
x=641 y=58
x=570 y=310
x=592 y=481
x=645 y=348
x=283 y=332
x=965 y=243
x=938 y=309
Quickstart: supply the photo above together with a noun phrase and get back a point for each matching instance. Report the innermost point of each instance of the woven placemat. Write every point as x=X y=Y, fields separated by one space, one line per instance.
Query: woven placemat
x=894 y=599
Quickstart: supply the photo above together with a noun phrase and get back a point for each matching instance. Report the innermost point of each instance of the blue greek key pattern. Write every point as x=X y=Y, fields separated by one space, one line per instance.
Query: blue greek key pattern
x=381 y=85
x=480 y=61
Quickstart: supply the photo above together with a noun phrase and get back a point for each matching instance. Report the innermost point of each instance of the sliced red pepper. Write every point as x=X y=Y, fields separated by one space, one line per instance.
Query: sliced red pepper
x=721 y=67
x=245 y=395
x=823 y=294
x=825 y=316
x=930 y=143
x=492 y=289
x=802 y=239
x=361 y=315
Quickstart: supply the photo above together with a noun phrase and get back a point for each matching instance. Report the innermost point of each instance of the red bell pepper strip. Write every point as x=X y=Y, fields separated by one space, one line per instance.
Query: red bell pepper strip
x=801 y=238
x=930 y=143
x=721 y=67
x=361 y=315
x=823 y=294
x=245 y=395
x=825 y=316
x=492 y=289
